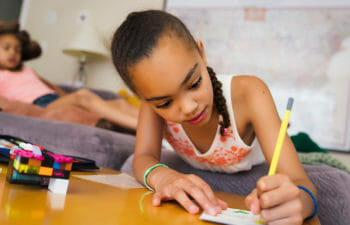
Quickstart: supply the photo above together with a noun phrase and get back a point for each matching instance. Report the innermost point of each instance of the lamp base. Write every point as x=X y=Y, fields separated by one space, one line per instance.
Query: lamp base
x=78 y=84
x=80 y=78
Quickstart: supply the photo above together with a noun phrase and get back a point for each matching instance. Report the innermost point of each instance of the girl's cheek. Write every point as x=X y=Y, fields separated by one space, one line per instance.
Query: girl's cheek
x=172 y=116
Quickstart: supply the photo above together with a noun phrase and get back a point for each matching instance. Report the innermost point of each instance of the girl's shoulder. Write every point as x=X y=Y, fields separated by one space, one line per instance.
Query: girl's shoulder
x=27 y=68
x=245 y=86
x=248 y=93
x=29 y=72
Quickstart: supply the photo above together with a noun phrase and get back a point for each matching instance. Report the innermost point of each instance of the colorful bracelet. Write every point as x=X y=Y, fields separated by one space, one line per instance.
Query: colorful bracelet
x=148 y=171
x=313 y=198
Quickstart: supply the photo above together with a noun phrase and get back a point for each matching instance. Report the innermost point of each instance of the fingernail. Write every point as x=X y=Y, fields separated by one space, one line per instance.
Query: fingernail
x=252 y=208
x=154 y=202
x=218 y=209
x=212 y=211
x=193 y=209
x=262 y=185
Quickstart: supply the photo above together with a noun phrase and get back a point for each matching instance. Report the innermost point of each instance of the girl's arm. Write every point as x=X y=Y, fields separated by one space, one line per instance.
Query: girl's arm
x=279 y=198
x=168 y=183
x=148 y=142
x=57 y=89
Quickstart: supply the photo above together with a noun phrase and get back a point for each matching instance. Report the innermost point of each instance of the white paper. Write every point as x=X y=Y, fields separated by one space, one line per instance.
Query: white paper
x=234 y=217
x=118 y=180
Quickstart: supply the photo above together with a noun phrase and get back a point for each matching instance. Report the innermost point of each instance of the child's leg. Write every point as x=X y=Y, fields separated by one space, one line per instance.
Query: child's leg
x=107 y=124
x=116 y=110
x=125 y=106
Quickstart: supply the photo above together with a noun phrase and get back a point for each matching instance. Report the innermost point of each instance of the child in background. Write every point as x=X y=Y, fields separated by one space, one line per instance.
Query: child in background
x=19 y=82
x=213 y=122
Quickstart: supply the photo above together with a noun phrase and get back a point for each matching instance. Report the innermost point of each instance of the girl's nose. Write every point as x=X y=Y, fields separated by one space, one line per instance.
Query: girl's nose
x=189 y=107
x=13 y=51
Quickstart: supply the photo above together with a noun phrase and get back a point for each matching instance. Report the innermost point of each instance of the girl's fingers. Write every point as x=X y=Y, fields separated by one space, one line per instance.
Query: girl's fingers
x=252 y=202
x=179 y=196
x=204 y=186
x=222 y=204
x=255 y=206
x=183 y=199
x=208 y=192
x=249 y=199
x=268 y=183
x=279 y=199
x=290 y=210
x=190 y=186
x=157 y=199
x=279 y=196
x=202 y=199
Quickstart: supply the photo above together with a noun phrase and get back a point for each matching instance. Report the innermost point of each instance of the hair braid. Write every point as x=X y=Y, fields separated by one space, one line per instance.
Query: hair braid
x=220 y=102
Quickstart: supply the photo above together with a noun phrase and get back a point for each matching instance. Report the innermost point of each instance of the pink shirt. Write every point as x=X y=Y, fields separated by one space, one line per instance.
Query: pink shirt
x=24 y=85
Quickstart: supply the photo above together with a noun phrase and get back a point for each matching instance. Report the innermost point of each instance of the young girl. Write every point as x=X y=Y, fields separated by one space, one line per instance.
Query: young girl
x=211 y=121
x=18 y=82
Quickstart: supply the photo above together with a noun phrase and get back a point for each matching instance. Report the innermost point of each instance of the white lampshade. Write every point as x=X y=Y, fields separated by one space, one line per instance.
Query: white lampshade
x=86 y=42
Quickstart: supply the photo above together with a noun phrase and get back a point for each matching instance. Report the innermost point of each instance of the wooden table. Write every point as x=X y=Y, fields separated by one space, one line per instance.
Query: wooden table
x=90 y=202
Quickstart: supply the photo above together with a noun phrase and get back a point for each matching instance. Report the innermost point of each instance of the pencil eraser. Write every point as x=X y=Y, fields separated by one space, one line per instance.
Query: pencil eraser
x=290 y=103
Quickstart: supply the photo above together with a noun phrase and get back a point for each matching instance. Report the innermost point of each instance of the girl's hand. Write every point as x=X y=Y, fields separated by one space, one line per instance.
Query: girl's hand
x=277 y=199
x=184 y=188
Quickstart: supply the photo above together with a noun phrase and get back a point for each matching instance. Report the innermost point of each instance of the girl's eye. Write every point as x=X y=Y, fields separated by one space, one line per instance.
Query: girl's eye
x=164 y=105
x=196 y=84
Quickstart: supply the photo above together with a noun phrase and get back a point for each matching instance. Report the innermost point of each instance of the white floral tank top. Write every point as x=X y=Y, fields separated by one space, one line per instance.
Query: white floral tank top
x=227 y=154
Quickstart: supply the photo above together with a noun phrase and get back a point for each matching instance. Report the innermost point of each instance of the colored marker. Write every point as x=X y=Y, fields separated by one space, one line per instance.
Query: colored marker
x=280 y=139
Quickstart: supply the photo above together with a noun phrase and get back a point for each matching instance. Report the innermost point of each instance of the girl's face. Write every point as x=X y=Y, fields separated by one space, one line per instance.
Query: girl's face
x=10 y=52
x=175 y=82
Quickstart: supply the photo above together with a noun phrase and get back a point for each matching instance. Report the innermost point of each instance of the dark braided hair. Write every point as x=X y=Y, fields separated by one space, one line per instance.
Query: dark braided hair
x=138 y=35
x=220 y=101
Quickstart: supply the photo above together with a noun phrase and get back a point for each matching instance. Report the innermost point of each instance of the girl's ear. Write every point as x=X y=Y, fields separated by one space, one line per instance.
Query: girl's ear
x=201 y=50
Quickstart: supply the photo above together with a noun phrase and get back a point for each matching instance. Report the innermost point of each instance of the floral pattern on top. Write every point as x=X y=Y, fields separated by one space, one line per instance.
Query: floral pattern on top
x=226 y=152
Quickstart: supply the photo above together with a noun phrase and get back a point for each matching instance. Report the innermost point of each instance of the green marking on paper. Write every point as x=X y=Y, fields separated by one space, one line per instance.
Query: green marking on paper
x=241 y=211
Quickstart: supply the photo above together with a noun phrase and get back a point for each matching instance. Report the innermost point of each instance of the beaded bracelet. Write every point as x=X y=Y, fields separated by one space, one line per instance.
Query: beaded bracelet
x=148 y=171
x=313 y=198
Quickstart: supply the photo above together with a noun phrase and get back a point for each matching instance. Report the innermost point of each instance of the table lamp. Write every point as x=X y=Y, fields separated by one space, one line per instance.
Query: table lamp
x=86 y=44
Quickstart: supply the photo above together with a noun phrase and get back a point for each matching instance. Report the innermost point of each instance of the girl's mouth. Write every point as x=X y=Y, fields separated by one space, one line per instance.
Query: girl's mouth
x=12 y=60
x=197 y=119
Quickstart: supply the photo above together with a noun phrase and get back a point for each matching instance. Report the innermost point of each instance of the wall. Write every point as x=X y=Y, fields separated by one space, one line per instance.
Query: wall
x=54 y=22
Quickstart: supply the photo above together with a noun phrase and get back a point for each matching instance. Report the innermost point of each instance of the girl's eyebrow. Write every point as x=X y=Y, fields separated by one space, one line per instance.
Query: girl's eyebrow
x=189 y=74
x=187 y=78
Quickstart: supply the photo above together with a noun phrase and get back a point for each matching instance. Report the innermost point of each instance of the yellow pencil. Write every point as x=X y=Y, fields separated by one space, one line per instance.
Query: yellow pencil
x=280 y=139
